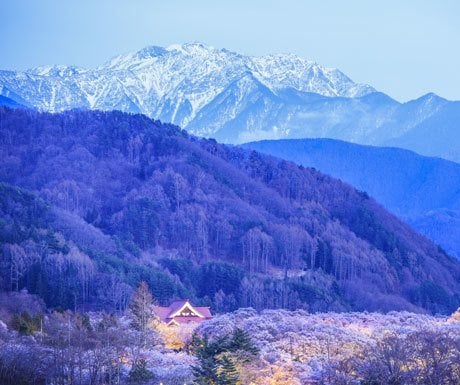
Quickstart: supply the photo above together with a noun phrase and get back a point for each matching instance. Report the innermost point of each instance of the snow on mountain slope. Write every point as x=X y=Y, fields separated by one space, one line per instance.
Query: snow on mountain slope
x=236 y=98
x=172 y=84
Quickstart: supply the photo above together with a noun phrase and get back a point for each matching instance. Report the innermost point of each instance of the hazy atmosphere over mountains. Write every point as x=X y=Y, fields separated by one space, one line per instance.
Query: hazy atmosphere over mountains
x=235 y=98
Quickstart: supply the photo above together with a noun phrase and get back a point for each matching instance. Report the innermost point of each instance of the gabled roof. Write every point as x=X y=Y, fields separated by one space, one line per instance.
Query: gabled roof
x=203 y=311
x=173 y=311
x=162 y=312
x=177 y=305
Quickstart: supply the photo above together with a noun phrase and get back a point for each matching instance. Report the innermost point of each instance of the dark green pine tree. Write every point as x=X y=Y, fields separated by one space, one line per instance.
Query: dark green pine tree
x=241 y=341
x=139 y=373
x=218 y=358
x=227 y=373
x=206 y=372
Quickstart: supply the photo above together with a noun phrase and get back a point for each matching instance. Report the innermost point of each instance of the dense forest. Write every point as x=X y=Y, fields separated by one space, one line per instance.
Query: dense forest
x=92 y=203
x=423 y=191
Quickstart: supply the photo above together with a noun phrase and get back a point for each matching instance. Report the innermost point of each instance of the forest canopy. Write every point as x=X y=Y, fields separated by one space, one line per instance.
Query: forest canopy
x=92 y=203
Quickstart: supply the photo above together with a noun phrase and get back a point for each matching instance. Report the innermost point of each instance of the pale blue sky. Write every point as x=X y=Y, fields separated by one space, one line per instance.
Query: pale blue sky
x=405 y=48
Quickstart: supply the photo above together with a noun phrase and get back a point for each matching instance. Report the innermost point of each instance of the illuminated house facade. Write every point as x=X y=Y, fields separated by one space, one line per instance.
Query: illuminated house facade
x=182 y=312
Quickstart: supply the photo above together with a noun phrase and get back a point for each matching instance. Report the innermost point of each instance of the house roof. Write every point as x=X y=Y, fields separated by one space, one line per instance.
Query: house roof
x=162 y=312
x=204 y=311
x=178 y=305
x=184 y=320
x=171 y=312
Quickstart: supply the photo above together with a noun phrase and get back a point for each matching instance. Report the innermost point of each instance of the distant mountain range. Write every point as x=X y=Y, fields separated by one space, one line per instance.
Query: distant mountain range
x=91 y=202
x=235 y=98
x=424 y=191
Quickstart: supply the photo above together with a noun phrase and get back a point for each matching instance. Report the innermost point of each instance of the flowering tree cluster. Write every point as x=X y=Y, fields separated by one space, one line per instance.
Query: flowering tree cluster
x=346 y=348
x=243 y=347
x=93 y=348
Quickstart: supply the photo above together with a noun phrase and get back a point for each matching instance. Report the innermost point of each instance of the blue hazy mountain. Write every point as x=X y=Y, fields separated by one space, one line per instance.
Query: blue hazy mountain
x=424 y=191
x=7 y=102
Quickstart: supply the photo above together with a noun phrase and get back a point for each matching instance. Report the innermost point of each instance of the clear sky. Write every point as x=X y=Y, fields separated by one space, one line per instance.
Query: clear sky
x=404 y=48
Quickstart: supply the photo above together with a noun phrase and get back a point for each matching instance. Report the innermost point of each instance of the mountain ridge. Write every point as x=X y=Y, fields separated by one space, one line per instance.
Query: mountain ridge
x=202 y=61
x=424 y=191
x=235 y=98
x=152 y=196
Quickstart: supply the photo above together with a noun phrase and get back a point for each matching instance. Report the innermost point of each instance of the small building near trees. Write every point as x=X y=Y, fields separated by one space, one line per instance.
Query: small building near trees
x=182 y=312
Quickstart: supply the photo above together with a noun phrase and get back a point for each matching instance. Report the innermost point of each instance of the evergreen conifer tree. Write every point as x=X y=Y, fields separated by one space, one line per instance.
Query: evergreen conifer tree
x=241 y=342
x=206 y=372
x=139 y=373
x=227 y=373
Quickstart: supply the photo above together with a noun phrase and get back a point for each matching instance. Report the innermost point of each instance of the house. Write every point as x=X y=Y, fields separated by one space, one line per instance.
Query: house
x=182 y=312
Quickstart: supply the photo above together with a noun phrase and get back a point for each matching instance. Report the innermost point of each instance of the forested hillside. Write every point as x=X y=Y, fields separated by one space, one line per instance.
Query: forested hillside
x=424 y=191
x=94 y=202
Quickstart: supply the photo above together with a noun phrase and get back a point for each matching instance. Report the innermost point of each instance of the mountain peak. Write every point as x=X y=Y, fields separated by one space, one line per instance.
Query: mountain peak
x=173 y=83
x=151 y=51
x=56 y=70
x=429 y=100
x=192 y=47
x=431 y=96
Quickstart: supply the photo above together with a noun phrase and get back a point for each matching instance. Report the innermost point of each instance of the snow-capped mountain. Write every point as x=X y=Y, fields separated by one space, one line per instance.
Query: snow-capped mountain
x=236 y=98
x=172 y=84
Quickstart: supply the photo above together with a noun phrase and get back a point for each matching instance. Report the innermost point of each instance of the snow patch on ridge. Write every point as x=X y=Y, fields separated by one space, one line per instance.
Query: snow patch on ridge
x=174 y=83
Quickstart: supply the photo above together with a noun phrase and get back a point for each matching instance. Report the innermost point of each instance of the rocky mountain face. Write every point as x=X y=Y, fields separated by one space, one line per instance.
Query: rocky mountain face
x=172 y=84
x=235 y=98
x=93 y=202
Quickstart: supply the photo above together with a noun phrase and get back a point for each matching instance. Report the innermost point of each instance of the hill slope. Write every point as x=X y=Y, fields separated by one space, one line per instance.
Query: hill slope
x=236 y=98
x=295 y=237
x=424 y=191
x=7 y=102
